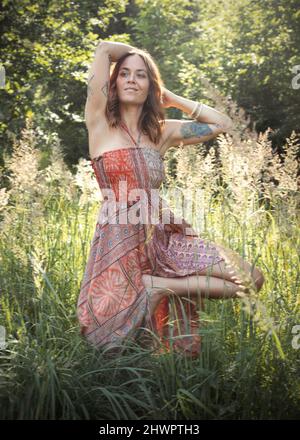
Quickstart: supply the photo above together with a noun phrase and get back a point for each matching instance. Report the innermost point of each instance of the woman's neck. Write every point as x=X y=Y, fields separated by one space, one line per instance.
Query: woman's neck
x=130 y=116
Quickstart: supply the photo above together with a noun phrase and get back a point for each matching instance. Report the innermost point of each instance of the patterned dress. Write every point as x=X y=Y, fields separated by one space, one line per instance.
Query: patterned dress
x=112 y=303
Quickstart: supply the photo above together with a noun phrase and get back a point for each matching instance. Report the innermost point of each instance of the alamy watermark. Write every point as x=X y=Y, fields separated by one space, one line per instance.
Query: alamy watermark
x=296 y=79
x=296 y=338
x=2 y=77
x=148 y=207
x=2 y=337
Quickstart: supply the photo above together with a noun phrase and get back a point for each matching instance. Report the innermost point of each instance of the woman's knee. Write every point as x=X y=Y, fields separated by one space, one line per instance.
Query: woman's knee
x=222 y=270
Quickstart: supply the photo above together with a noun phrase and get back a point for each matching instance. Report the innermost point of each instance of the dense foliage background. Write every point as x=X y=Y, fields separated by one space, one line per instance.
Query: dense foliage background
x=248 y=49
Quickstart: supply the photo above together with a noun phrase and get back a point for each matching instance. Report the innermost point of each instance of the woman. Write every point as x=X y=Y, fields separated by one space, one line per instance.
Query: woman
x=134 y=266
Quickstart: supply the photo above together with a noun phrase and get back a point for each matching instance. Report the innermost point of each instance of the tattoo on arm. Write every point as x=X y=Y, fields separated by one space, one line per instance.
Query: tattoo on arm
x=105 y=89
x=195 y=129
x=89 y=88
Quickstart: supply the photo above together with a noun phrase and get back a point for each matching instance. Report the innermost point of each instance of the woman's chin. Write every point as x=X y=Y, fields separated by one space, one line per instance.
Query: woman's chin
x=131 y=101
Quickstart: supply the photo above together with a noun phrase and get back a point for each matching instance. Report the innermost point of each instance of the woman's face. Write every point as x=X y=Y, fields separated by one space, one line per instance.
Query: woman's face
x=133 y=74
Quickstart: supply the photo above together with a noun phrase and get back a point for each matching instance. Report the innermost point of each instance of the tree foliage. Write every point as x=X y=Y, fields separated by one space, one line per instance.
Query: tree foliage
x=248 y=49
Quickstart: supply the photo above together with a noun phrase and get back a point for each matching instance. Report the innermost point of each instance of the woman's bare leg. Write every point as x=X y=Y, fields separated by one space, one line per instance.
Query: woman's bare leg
x=216 y=281
x=199 y=286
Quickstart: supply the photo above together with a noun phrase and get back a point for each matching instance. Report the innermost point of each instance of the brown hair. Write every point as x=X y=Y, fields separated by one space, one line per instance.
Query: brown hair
x=153 y=114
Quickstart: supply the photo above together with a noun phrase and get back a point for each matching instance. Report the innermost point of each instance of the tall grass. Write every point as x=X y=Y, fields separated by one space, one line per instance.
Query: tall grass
x=248 y=368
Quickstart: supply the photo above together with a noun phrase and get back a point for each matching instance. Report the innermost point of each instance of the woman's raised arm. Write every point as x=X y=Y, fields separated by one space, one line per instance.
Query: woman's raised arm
x=207 y=124
x=98 y=79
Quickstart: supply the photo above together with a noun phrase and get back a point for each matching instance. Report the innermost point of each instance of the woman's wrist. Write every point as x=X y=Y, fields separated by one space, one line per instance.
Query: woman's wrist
x=186 y=105
x=115 y=49
x=201 y=112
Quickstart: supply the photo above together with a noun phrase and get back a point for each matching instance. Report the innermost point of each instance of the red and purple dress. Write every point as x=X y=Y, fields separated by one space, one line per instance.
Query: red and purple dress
x=112 y=303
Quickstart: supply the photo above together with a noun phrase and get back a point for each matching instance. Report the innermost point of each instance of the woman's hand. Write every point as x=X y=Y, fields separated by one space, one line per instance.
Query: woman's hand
x=167 y=98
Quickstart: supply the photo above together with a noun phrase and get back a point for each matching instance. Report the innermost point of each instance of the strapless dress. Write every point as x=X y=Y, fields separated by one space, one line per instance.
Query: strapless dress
x=112 y=303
